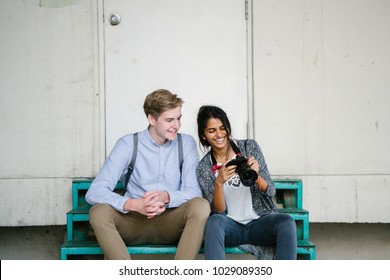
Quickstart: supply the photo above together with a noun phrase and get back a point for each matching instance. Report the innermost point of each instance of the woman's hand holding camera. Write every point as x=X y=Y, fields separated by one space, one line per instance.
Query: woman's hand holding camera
x=225 y=172
x=252 y=162
x=260 y=182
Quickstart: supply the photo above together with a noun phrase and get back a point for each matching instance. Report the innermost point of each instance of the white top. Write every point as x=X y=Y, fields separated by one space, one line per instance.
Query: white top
x=238 y=200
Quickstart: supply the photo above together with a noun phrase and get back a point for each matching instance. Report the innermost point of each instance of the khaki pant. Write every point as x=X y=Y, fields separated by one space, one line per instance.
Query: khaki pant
x=183 y=225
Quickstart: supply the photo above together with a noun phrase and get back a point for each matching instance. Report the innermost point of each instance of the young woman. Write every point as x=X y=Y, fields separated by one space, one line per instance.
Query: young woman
x=243 y=213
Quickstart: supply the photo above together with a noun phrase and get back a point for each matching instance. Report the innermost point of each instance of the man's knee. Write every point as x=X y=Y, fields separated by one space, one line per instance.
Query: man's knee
x=100 y=214
x=199 y=206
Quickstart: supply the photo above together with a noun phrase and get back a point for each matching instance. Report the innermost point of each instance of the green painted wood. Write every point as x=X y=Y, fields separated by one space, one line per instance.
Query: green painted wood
x=289 y=193
x=77 y=224
x=81 y=208
x=79 y=190
x=305 y=248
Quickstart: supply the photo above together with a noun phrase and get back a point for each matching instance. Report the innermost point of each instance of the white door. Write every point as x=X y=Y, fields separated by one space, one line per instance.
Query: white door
x=196 y=49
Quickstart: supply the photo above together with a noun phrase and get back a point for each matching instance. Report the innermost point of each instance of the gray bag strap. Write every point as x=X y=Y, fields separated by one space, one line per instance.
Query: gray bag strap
x=180 y=144
x=130 y=168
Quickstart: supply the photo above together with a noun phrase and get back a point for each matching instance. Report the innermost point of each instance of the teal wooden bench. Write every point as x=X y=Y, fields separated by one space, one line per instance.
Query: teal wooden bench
x=81 y=241
x=305 y=250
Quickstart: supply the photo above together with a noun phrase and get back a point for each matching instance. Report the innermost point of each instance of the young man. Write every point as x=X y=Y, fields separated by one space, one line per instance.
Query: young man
x=162 y=204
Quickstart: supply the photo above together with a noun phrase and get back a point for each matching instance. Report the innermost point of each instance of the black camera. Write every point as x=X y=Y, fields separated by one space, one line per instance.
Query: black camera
x=247 y=175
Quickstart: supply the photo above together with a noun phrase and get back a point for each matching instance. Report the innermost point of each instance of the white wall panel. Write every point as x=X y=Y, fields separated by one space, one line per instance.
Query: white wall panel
x=321 y=94
x=49 y=106
x=48 y=89
x=196 y=49
x=34 y=202
x=320 y=98
x=350 y=199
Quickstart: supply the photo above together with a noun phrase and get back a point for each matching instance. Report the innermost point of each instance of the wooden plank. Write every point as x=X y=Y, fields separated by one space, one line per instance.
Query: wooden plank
x=305 y=250
x=290 y=192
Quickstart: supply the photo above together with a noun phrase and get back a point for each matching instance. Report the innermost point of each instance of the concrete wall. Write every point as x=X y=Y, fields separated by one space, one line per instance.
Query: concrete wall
x=334 y=241
x=320 y=104
x=49 y=107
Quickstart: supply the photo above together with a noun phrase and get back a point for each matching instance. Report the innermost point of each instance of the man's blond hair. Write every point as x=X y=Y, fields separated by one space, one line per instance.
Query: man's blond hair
x=159 y=101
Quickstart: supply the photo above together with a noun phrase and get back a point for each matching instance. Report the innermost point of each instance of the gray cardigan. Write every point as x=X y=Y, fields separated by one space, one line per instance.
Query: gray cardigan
x=262 y=202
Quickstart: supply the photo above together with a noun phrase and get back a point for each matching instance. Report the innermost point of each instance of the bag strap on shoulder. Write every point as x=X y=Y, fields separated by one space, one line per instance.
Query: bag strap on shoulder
x=130 y=168
x=180 y=147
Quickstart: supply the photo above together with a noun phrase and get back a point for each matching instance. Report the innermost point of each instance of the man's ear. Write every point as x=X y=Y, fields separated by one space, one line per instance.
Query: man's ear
x=151 y=119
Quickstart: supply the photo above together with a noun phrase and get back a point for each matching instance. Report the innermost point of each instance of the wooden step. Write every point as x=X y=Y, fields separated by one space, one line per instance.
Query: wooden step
x=78 y=227
x=81 y=240
x=305 y=250
x=288 y=192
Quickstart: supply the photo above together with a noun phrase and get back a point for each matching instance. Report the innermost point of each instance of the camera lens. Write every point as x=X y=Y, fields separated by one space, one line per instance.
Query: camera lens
x=247 y=175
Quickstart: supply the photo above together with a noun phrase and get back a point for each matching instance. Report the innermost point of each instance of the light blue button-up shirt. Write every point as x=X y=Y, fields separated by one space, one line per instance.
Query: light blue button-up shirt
x=156 y=168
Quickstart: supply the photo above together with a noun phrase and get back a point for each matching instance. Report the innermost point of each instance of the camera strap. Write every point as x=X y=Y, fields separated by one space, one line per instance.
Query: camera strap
x=214 y=161
x=235 y=148
x=130 y=168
